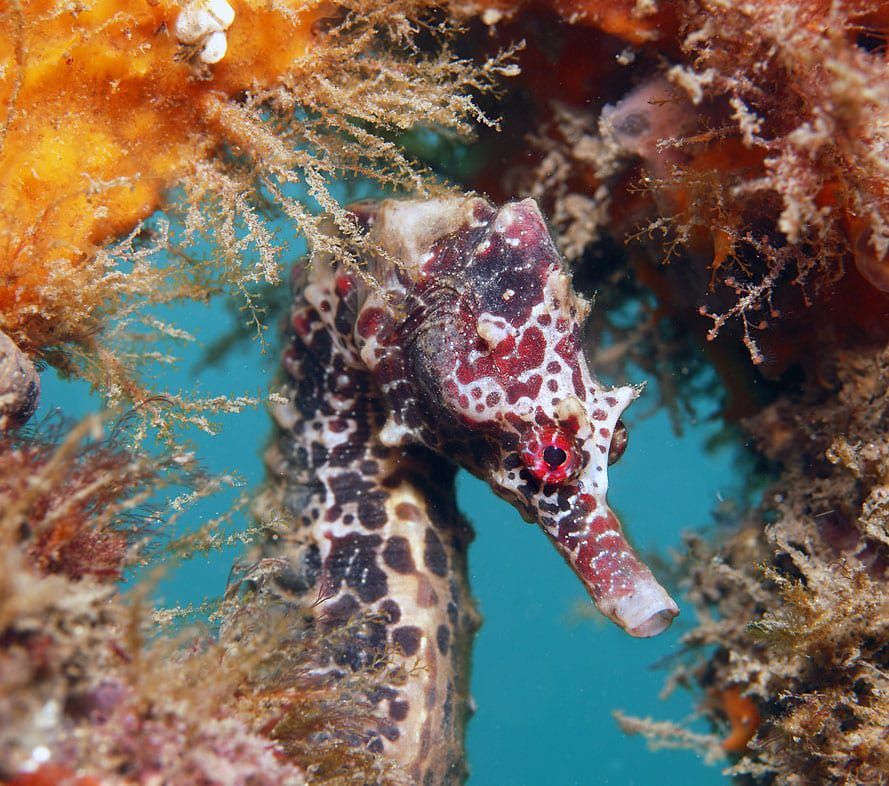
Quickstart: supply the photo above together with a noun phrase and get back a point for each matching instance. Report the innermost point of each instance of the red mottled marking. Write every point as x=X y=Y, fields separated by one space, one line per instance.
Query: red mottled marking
x=526 y=227
x=544 y=320
x=508 y=360
x=603 y=524
x=617 y=568
x=577 y=381
x=337 y=425
x=492 y=399
x=530 y=353
x=542 y=419
x=517 y=421
x=568 y=347
x=586 y=502
x=553 y=367
x=531 y=388
x=301 y=324
x=606 y=567
x=371 y=321
x=604 y=432
x=482 y=367
x=344 y=285
x=408 y=512
x=570 y=425
x=599 y=414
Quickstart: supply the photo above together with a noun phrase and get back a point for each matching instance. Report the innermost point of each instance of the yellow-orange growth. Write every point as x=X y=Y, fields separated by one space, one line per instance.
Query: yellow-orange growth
x=101 y=111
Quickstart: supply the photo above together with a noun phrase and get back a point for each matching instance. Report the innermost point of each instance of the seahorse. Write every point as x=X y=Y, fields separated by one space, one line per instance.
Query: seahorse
x=458 y=346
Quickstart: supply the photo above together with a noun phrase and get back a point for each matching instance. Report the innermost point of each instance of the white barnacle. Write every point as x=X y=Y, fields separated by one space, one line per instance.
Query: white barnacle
x=214 y=48
x=202 y=24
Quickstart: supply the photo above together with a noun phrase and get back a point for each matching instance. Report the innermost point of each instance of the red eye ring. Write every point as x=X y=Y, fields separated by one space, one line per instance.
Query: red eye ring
x=550 y=455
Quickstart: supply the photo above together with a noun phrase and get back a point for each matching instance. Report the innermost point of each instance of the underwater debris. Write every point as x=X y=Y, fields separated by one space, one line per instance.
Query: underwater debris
x=742 y=715
x=71 y=504
x=202 y=24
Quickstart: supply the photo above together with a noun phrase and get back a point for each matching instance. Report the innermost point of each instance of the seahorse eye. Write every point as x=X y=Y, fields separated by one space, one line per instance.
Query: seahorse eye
x=619 y=440
x=554 y=456
x=550 y=455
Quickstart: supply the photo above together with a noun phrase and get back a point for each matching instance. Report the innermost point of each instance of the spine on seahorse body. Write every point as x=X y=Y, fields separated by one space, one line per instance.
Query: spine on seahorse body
x=374 y=535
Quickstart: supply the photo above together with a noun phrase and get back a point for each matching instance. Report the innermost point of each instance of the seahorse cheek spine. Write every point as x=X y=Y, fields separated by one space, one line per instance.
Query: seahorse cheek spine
x=475 y=344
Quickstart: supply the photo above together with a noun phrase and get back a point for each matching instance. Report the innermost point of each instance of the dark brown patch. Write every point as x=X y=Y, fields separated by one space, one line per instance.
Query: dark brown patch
x=391 y=611
x=407 y=639
x=443 y=639
x=390 y=732
x=398 y=710
x=353 y=559
x=341 y=610
x=434 y=554
x=397 y=555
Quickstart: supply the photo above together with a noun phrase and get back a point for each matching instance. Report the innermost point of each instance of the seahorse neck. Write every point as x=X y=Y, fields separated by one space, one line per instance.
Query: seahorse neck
x=375 y=534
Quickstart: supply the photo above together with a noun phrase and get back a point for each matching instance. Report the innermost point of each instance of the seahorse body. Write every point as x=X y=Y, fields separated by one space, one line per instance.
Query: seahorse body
x=467 y=353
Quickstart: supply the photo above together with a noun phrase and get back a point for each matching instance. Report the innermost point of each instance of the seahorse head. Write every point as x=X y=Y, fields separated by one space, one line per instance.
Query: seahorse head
x=474 y=339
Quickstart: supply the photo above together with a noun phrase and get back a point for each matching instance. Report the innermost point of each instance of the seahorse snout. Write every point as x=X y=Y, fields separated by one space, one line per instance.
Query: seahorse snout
x=620 y=584
x=646 y=611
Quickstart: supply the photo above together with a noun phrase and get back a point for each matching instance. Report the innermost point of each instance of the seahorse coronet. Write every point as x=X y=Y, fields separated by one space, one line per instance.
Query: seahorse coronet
x=467 y=353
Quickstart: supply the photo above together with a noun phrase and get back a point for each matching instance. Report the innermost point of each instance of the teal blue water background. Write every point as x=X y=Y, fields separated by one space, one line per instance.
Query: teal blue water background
x=545 y=677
